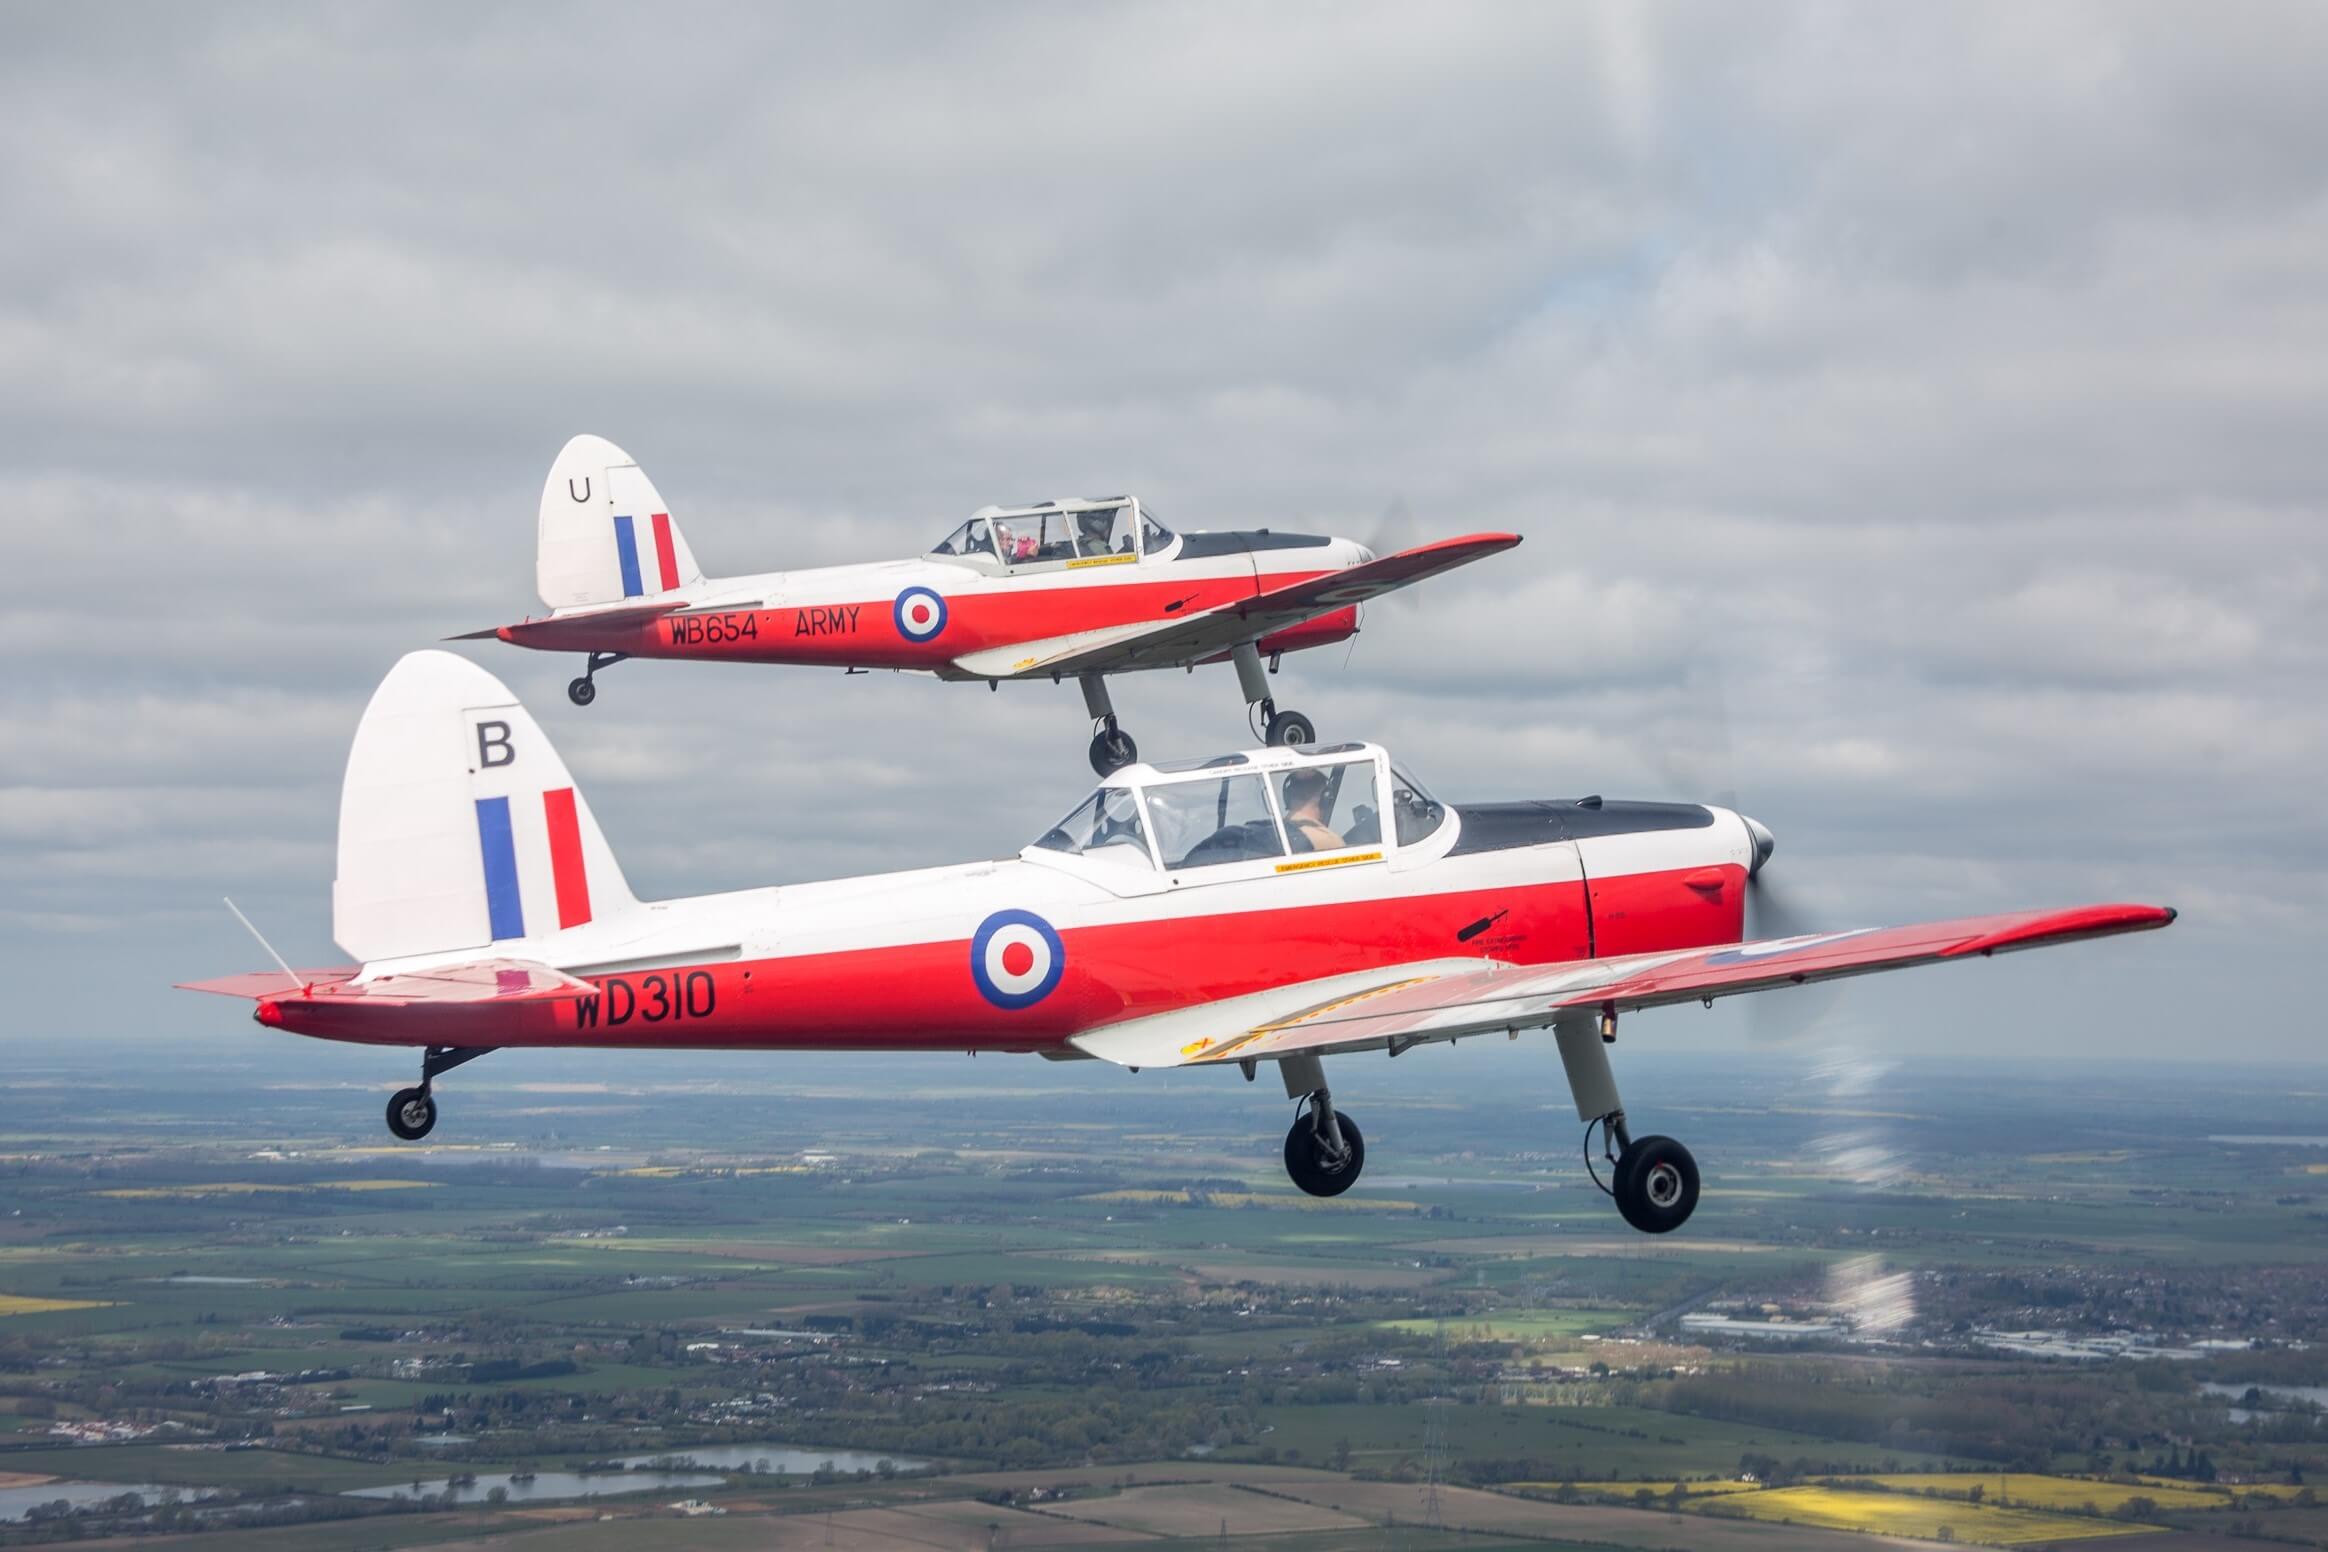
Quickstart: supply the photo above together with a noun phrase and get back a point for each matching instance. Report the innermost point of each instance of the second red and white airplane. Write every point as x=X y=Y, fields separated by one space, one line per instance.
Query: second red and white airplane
x=1067 y=589
x=1275 y=905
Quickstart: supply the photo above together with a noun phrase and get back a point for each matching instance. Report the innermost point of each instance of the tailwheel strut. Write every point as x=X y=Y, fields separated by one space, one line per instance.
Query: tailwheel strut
x=412 y=1113
x=584 y=690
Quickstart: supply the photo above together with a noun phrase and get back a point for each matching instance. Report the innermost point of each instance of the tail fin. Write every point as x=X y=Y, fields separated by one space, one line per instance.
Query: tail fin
x=459 y=826
x=605 y=533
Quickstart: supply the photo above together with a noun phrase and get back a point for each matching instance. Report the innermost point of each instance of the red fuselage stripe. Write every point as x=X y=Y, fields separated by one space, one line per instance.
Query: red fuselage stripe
x=864 y=633
x=922 y=996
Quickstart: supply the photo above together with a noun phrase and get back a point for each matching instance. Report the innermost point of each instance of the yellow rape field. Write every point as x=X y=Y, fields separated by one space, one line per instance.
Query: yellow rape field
x=2025 y=1490
x=254 y=1188
x=1628 y=1489
x=24 y=1304
x=1904 y=1514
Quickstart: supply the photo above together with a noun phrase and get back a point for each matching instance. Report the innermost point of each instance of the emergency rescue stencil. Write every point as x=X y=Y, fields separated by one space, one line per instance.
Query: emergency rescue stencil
x=921 y=614
x=1016 y=958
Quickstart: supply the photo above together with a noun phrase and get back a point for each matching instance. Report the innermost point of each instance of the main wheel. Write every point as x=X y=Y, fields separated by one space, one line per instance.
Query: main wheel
x=1111 y=750
x=1656 y=1185
x=582 y=691
x=1288 y=728
x=412 y=1114
x=1307 y=1162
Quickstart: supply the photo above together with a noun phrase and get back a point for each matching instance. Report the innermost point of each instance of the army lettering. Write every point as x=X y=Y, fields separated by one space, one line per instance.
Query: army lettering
x=826 y=620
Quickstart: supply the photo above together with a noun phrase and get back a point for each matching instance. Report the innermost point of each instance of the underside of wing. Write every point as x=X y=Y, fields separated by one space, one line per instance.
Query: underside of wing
x=1443 y=1000
x=575 y=631
x=1196 y=638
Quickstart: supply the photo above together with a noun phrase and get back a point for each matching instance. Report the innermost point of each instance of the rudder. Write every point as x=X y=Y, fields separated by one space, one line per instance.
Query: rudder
x=605 y=532
x=459 y=825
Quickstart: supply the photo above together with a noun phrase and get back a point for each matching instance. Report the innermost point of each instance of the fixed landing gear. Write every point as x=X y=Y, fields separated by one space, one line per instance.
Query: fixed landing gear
x=1654 y=1180
x=1111 y=747
x=1287 y=728
x=1280 y=728
x=412 y=1113
x=584 y=690
x=1324 y=1152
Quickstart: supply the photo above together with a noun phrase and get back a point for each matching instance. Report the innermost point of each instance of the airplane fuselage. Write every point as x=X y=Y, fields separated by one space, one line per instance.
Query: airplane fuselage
x=955 y=618
x=1025 y=953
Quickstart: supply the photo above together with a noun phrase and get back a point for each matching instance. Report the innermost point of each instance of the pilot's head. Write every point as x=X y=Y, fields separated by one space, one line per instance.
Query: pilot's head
x=1304 y=788
x=1095 y=526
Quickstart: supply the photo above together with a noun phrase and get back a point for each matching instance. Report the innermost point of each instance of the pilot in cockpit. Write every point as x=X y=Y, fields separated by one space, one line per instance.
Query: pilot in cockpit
x=1097 y=528
x=1304 y=792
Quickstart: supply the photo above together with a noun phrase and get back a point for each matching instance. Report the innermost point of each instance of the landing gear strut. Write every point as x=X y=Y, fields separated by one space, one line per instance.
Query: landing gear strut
x=1654 y=1179
x=1111 y=747
x=1281 y=728
x=584 y=690
x=1324 y=1152
x=412 y=1113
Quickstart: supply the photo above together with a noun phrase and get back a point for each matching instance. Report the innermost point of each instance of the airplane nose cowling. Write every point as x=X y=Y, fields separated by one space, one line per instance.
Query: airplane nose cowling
x=1764 y=844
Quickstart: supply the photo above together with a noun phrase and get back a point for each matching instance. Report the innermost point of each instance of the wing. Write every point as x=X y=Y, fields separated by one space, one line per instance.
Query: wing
x=1441 y=999
x=404 y=1005
x=573 y=632
x=1196 y=637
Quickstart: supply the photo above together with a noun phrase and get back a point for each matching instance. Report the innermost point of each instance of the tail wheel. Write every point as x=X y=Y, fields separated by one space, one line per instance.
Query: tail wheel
x=412 y=1114
x=1313 y=1165
x=1657 y=1185
x=1287 y=728
x=581 y=691
x=1111 y=750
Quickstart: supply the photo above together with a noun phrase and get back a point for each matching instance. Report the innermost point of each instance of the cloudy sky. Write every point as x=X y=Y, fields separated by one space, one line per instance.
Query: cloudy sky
x=1916 y=417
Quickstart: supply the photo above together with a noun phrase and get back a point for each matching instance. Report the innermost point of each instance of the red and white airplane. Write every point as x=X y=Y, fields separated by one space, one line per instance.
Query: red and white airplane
x=1279 y=905
x=1058 y=590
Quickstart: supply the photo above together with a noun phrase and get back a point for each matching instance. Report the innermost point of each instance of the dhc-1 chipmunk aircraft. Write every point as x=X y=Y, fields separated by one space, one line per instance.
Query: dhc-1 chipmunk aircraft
x=1277 y=905
x=1056 y=590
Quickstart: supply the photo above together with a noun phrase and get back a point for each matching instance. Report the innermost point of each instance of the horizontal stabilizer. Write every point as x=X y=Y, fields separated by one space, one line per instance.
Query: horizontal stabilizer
x=259 y=985
x=483 y=980
x=577 y=630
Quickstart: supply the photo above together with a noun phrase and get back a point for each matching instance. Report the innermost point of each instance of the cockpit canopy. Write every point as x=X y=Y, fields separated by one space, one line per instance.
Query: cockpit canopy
x=1264 y=805
x=1057 y=532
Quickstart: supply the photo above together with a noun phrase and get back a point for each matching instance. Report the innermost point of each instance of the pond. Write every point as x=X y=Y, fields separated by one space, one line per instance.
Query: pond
x=542 y=1486
x=780 y=1457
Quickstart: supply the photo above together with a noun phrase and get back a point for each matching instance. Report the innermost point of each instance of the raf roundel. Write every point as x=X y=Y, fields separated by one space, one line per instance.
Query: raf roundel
x=1016 y=958
x=921 y=614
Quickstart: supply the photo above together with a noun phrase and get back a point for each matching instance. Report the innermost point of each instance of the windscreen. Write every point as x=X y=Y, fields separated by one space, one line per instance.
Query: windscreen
x=1109 y=818
x=1419 y=814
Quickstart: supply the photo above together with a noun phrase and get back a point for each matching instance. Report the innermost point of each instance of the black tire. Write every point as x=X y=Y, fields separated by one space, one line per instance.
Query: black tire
x=1311 y=1170
x=1288 y=728
x=582 y=691
x=412 y=1114
x=1656 y=1185
x=1111 y=750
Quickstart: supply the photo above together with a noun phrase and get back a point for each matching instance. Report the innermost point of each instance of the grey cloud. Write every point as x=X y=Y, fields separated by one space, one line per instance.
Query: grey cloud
x=1912 y=417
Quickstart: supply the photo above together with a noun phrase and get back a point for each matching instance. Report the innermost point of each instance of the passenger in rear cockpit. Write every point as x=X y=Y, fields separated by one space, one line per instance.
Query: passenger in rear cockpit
x=1304 y=794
